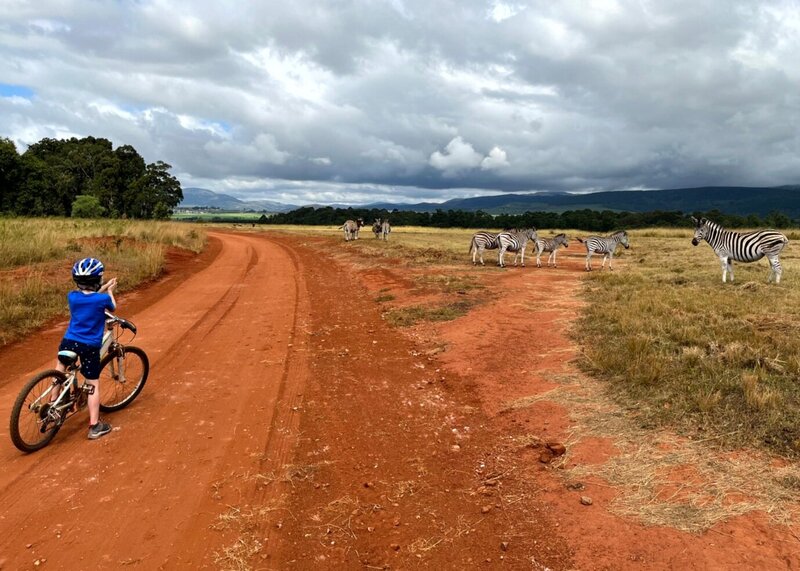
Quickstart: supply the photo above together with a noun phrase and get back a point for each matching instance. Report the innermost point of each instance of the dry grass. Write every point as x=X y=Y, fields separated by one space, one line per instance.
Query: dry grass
x=36 y=256
x=692 y=353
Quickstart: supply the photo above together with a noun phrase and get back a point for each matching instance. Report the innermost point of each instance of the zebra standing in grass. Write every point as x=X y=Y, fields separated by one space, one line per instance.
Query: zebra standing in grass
x=386 y=228
x=482 y=241
x=351 y=228
x=516 y=242
x=376 y=228
x=605 y=246
x=742 y=247
x=550 y=245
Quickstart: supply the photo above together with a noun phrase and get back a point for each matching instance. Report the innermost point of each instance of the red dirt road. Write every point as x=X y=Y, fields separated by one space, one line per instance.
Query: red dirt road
x=286 y=426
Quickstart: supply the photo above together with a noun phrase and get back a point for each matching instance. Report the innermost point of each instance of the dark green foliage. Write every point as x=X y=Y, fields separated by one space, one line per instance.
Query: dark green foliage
x=48 y=178
x=590 y=220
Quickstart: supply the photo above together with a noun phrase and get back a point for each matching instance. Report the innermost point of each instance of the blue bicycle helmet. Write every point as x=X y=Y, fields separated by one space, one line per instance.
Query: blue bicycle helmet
x=88 y=273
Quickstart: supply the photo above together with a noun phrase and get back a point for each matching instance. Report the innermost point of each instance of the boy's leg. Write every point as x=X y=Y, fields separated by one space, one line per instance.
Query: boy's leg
x=90 y=367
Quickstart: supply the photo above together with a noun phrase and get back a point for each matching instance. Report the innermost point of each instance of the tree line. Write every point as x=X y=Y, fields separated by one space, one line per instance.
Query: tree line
x=585 y=219
x=85 y=178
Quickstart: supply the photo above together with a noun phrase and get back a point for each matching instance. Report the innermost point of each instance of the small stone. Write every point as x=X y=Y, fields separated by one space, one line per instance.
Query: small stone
x=586 y=500
x=455 y=448
x=486 y=509
x=367 y=484
x=556 y=448
x=546 y=457
x=370 y=529
x=504 y=545
x=28 y=545
x=395 y=546
x=396 y=522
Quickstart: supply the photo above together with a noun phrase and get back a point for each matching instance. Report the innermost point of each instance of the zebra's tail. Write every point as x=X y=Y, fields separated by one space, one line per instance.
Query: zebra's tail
x=471 y=246
x=579 y=239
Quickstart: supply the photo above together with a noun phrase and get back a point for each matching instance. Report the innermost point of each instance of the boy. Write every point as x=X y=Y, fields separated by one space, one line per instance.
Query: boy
x=84 y=336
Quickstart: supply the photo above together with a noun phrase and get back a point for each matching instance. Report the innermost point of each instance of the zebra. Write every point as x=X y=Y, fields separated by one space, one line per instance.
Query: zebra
x=514 y=241
x=549 y=245
x=742 y=247
x=482 y=241
x=351 y=228
x=605 y=246
x=376 y=228
x=386 y=228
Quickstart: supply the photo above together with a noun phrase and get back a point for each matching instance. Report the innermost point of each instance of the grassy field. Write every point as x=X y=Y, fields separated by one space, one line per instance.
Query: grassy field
x=679 y=348
x=36 y=256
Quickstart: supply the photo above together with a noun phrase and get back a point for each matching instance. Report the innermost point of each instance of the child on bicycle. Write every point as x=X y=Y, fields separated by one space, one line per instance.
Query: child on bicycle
x=84 y=335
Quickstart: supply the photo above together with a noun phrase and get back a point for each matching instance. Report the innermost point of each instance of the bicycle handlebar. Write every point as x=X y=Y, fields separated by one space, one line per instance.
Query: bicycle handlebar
x=125 y=324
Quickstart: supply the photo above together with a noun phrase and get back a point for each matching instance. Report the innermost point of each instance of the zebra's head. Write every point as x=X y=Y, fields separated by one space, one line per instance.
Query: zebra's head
x=561 y=239
x=531 y=234
x=623 y=239
x=700 y=228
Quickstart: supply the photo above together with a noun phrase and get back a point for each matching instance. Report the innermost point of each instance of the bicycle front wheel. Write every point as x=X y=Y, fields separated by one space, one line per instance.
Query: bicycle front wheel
x=34 y=422
x=122 y=377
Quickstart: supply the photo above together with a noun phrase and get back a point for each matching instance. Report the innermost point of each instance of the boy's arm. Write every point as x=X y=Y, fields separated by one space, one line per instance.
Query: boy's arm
x=109 y=288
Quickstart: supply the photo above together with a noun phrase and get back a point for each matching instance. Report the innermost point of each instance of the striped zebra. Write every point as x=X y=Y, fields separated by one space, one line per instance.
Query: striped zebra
x=376 y=228
x=550 y=245
x=351 y=228
x=386 y=228
x=742 y=247
x=482 y=241
x=605 y=246
x=514 y=241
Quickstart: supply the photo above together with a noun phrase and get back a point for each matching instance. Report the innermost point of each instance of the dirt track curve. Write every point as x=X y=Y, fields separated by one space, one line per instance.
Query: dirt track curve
x=285 y=426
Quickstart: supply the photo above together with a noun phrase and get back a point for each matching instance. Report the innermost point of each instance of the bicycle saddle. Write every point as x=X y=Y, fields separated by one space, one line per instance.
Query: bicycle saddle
x=67 y=358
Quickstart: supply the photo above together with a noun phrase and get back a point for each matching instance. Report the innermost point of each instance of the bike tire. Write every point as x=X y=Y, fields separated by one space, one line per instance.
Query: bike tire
x=24 y=438
x=114 y=394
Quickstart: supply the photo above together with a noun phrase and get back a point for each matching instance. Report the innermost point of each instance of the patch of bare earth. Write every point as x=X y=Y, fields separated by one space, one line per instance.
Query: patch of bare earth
x=501 y=385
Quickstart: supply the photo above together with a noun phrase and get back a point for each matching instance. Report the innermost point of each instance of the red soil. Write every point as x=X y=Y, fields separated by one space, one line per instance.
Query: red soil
x=286 y=426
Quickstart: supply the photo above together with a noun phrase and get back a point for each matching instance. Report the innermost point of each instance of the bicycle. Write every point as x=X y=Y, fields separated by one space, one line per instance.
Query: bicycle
x=52 y=396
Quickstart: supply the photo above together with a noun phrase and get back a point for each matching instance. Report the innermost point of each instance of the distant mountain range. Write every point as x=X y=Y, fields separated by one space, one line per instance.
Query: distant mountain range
x=727 y=199
x=200 y=197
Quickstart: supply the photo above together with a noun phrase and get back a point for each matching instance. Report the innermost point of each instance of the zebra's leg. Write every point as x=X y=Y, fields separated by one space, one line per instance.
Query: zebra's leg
x=610 y=257
x=522 y=255
x=500 y=257
x=539 y=259
x=589 y=262
x=775 y=269
x=552 y=255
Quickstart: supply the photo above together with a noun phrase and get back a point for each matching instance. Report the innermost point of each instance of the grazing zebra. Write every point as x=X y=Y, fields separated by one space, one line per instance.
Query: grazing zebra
x=514 y=241
x=605 y=246
x=482 y=241
x=742 y=247
x=351 y=228
x=550 y=245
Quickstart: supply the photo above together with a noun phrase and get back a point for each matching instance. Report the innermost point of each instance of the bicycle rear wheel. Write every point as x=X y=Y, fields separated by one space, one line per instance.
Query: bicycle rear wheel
x=122 y=377
x=34 y=423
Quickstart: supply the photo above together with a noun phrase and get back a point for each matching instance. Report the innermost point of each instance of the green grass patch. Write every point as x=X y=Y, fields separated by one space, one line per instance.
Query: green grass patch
x=407 y=316
x=681 y=349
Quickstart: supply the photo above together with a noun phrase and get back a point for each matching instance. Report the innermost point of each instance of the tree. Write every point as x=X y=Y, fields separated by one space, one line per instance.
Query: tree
x=86 y=206
x=155 y=194
x=10 y=174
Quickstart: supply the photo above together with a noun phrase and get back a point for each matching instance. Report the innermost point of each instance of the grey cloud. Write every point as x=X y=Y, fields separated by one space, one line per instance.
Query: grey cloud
x=363 y=98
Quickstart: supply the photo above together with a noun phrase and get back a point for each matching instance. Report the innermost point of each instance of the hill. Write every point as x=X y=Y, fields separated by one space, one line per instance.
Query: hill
x=727 y=199
x=201 y=197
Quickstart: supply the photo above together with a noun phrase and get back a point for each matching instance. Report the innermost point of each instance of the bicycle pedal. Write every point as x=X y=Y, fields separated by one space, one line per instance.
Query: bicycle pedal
x=88 y=389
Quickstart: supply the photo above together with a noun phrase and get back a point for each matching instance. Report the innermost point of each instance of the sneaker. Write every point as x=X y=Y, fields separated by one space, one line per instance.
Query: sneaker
x=98 y=430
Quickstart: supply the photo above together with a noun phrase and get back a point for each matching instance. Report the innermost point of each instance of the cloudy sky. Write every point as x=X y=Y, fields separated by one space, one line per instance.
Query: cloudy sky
x=364 y=100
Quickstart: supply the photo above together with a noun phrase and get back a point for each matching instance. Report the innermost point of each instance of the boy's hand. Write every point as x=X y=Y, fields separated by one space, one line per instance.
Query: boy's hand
x=109 y=285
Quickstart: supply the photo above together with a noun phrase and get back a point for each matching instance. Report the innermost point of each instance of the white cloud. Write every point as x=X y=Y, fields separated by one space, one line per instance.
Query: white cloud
x=495 y=160
x=458 y=156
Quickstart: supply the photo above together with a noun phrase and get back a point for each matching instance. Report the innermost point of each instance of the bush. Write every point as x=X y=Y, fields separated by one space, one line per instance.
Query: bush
x=87 y=207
